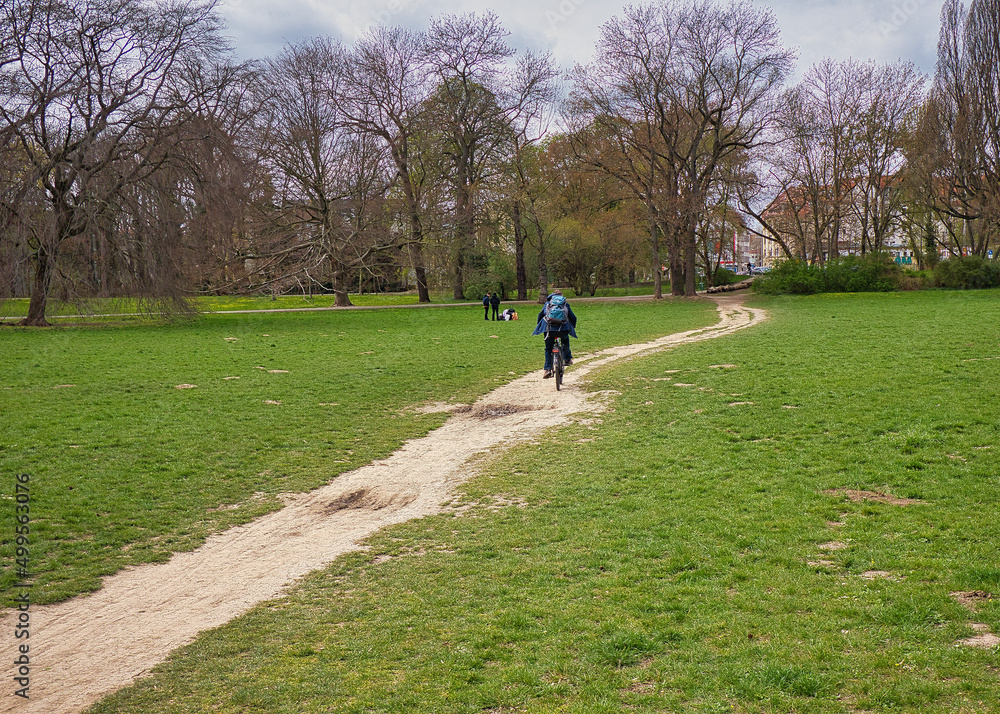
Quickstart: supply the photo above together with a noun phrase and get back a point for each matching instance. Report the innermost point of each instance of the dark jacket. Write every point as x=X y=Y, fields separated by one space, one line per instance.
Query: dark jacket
x=542 y=327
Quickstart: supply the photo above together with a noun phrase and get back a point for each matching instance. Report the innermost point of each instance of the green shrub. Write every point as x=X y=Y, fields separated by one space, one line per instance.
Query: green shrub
x=725 y=276
x=916 y=280
x=791 y=276
x=967 y=273
x=869 y=273
x=873 y=272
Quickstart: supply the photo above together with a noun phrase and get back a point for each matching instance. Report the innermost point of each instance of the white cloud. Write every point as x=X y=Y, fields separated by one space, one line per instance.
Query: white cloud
x=861 y=29
x=883 y=30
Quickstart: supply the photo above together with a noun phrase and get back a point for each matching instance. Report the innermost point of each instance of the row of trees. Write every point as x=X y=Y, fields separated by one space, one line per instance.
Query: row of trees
x=138 y=158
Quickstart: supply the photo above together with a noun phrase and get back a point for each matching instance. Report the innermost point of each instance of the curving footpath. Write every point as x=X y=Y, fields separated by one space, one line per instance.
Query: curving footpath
x=88 y=647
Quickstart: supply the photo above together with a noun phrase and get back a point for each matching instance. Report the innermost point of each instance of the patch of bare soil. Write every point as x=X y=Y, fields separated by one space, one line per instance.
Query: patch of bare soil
x=832 y=545
x=879 y=575
x=878 y=496
x=88 y=647
x=984 y=640
x=971 y=599
x=484 y=412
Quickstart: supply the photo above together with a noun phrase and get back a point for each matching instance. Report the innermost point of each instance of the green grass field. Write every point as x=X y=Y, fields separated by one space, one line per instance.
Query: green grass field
x=127 y=468
x=121 y=310
x=694 y=550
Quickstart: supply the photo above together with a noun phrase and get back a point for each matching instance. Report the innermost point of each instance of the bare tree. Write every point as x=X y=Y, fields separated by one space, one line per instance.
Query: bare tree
x=891 y=97
x=383 y=91
x=705 y=78
x=820 y=118
x=478 y=104
x=536 y=88
x=623 y=145
x=221 y=177
x=845 y=126
x=89 y=91
x=730 y=69
x=466 y=54
x=617 y=117
x=21 y=207
x=330 y=182
x=954 y=160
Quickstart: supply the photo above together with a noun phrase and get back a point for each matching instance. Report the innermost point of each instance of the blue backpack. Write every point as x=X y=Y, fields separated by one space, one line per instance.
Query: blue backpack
x=556 y=312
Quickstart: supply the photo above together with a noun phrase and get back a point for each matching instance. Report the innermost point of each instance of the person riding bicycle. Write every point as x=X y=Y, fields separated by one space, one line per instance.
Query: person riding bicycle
x=556 y=319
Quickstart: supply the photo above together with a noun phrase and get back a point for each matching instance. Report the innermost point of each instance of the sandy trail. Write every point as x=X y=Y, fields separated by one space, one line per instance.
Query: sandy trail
x=88 y=647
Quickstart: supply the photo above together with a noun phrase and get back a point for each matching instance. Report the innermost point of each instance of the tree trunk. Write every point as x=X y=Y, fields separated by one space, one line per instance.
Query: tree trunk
x=341 y=298
x=457 y=267
x=40 y=290
x=690 y=263
x=676 y=264
x=519 y=237
x=417 y=258
x=543 y=272
x=654 y=239
x=416 y=232
x=464 y=230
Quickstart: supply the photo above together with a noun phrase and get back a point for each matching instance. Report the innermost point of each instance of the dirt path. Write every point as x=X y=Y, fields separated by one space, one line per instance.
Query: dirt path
x=86 y=648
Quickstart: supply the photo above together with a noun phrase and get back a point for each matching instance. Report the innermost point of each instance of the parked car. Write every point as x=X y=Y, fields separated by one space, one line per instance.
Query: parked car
x=759 y=269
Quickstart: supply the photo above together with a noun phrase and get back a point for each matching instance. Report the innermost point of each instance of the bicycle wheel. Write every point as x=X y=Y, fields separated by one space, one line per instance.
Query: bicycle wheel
x=557 y=365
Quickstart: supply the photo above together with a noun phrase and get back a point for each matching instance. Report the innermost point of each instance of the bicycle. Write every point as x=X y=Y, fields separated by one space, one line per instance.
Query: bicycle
x=558 y=364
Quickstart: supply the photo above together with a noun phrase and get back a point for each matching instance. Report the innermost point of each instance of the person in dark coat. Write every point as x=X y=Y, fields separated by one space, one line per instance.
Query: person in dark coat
x=486 y=306
x=564 y=332
x=495 y=304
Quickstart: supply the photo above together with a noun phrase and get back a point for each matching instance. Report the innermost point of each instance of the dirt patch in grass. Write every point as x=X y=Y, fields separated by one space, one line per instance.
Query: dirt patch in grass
x=877 y=496
x=365 y=499
x=984 y=640
x=971 y=599
x=832 y=545
x=879 y=575
x=90 y=646
x=485 y=412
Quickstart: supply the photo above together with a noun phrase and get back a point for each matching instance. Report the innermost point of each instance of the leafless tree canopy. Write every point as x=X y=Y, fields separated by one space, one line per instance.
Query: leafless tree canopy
x=953 y=170
x=683 y=86
x=138 y=159
x=89 y=94
x=842 y=133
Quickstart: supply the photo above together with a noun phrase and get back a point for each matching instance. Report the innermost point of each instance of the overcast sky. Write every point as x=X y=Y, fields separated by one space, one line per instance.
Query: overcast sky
x=882 y=30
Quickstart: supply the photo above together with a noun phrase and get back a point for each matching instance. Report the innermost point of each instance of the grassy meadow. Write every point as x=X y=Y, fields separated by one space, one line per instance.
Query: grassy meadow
x=128 y=468
x=119 y=310
x=701 y=546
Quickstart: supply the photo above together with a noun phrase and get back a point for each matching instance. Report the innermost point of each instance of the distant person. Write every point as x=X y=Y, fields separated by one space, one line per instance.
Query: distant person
x=556 y=320
x=495 y=304
x=486 y=305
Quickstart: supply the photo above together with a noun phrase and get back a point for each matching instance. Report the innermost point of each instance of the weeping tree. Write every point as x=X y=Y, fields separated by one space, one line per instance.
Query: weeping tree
x=91 y=93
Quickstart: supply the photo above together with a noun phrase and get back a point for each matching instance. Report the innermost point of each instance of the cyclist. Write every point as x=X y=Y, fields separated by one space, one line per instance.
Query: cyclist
x=556 y=319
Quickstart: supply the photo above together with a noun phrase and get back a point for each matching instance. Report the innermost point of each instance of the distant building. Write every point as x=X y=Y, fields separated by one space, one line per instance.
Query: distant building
x=797 y=215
